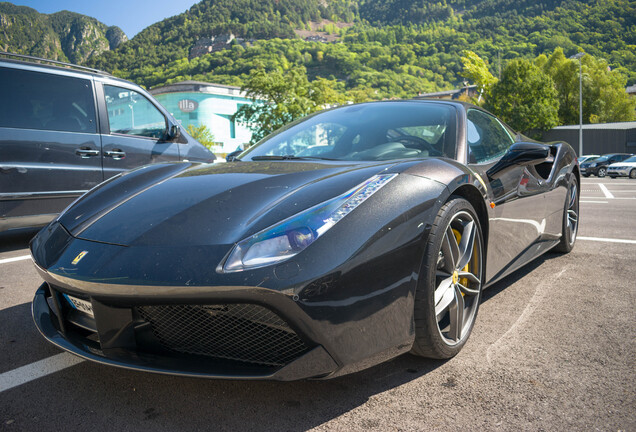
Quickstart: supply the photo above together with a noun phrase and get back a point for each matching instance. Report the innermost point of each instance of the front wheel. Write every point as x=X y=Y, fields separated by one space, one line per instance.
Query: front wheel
x=570 y=226
x=601 y=172
x=632 y=174
x=448 y=294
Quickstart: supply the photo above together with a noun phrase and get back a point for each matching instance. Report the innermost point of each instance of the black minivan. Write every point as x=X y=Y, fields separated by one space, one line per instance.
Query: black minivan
x=65 y=128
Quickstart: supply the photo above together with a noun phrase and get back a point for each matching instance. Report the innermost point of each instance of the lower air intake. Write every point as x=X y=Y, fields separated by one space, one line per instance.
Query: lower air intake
x=243 y=332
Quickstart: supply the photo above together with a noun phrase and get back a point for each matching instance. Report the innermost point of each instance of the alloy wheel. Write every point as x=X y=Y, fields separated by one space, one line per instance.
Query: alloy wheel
x=573 y=213
x=601 y=172
x=458 y=278
x=632 y=174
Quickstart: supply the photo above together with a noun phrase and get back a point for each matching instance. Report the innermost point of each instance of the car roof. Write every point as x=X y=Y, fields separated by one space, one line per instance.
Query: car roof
x=54 y=65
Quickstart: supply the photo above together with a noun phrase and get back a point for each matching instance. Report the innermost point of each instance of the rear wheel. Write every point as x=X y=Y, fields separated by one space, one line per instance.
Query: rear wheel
x=448 y=295
x=601 y=172
x=570 y=218
x=632 y=174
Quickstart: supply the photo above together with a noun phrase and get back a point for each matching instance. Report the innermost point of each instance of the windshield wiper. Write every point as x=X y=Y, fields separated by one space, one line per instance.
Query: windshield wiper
x=275 y=157
x=287 y=157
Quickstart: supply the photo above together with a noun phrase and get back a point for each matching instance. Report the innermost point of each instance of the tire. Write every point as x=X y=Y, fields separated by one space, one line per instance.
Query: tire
x=632 y=174
x=570 y=225
x=442 y=335
x=601 y=172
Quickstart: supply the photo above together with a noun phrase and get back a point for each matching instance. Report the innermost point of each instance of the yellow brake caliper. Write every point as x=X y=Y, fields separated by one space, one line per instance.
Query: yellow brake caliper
x=463 y=281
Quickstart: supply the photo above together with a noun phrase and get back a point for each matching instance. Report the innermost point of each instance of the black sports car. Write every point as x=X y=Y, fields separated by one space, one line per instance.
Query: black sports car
x=342 y=240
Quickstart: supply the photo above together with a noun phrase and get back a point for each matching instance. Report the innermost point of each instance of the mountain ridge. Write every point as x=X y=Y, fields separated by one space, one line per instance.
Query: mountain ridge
x=394 y=48
x=63 y=35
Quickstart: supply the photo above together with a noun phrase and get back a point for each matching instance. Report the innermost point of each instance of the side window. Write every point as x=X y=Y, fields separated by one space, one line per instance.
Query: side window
x=487 y=138
x=130 y=113
x=36 y=100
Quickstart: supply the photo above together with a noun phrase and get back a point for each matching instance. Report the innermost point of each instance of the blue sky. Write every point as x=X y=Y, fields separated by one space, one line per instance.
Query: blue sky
x=131 y=16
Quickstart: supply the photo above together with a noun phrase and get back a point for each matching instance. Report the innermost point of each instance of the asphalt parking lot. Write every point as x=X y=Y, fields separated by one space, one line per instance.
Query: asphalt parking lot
x=554 y=348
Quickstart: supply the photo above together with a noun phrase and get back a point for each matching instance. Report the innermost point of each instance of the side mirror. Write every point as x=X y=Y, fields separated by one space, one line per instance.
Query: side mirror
x=522 y=153
x=233 y=156
x=174 y=132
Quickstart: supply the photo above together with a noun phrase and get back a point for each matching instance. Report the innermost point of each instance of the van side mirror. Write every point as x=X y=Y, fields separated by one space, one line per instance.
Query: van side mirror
x=522 y=153
x=233 y=156
x=174 y=132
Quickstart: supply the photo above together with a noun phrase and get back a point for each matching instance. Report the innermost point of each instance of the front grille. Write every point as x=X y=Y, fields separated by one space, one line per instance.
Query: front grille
x=243 y=332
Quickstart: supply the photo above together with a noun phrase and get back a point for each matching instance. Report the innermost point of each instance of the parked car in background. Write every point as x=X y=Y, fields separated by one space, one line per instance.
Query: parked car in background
x=598 y=166
x=587 y=158
x=626 y=168
x=66 y=128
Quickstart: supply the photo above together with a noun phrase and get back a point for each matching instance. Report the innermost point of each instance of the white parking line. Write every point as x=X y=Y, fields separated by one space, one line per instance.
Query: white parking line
x=39 y=369
x=607 y=240
x=597 y=202
x=605 y=191
x=615 y=183
x=14 y=259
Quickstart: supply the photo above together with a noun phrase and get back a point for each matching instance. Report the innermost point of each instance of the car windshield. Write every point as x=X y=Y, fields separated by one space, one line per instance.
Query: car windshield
x=630 y=159
x=369 y=131
x=601 y=159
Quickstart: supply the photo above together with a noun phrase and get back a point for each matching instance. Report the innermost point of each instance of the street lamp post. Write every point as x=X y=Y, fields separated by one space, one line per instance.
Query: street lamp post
x=578 y=56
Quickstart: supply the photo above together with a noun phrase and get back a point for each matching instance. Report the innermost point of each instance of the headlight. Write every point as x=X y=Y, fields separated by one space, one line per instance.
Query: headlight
x=593 y=165
x=291 y=236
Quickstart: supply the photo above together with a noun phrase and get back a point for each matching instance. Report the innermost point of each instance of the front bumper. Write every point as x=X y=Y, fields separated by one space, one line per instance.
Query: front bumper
x=588 y=170
x=349 y=314
x=118 y=336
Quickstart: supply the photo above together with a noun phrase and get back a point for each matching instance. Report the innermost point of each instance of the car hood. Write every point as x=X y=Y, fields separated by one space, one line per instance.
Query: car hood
x=193 y=204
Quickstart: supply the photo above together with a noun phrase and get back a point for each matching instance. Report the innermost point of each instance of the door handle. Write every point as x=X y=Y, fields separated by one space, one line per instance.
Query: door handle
x=115 y=154
x=86 y=152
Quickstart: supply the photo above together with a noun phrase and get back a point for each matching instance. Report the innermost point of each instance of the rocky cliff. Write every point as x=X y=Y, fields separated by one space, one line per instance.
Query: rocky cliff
x=65 y=36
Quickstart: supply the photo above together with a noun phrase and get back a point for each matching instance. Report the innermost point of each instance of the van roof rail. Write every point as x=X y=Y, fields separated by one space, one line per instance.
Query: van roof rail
x=53 y=62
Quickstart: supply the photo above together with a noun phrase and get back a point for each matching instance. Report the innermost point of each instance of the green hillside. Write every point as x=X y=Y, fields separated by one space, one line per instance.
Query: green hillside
x=64 y=35
x=393 y=48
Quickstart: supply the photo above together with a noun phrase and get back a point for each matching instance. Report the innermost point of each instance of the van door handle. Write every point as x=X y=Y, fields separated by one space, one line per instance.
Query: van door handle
x=86 y=152
x=115 y=154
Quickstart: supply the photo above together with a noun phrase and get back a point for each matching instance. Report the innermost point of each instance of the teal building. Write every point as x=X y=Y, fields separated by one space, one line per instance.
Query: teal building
x=213 y=105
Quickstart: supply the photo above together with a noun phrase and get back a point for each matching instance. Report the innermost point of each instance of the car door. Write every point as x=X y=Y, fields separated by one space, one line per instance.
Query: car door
x=519 y=212
x=49 y=146
x=134 y=130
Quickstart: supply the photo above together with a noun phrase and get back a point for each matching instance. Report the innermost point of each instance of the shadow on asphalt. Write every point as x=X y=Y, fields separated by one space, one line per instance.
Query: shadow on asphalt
x=517 y=275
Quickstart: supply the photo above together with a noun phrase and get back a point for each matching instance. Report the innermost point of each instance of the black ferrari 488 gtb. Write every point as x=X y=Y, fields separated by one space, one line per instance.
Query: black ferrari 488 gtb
x=340 y=241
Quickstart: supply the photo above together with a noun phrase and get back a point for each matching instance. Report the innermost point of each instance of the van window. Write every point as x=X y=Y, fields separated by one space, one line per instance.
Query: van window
x=36 y=100
x=130 y=113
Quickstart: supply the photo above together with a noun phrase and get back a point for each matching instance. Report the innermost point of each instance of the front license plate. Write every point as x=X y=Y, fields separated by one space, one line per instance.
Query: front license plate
x=80 y=305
